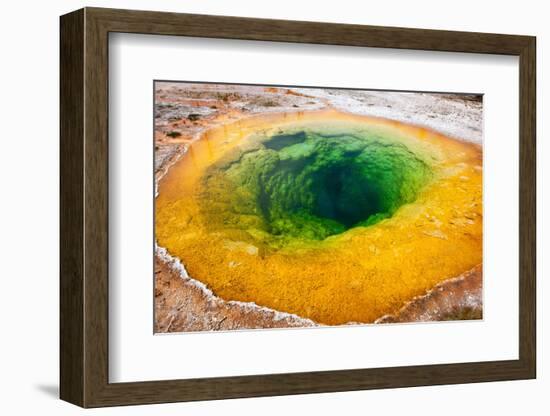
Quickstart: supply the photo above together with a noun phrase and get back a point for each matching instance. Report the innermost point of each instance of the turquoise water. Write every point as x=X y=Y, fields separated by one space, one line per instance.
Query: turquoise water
x=311 y=183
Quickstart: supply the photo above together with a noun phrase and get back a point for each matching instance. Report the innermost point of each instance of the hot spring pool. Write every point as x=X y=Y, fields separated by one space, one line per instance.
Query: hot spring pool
x=334 y=217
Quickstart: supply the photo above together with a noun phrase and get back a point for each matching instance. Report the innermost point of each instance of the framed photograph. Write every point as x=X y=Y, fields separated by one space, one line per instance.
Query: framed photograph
x=255 y=207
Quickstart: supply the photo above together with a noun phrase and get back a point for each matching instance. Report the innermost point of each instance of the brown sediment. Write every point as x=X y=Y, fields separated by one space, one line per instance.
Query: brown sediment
x=459 y=298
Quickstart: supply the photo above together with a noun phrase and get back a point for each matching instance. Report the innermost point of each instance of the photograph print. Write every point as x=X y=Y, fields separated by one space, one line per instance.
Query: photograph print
x=294 y=207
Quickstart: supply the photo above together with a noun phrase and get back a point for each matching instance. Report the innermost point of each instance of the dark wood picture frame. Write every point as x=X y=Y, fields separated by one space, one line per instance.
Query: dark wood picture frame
x=84 y=207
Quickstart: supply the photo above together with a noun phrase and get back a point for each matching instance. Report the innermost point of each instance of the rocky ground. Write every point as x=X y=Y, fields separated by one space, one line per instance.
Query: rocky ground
x=184 y=111
x=458 y=116
x=454 y=299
